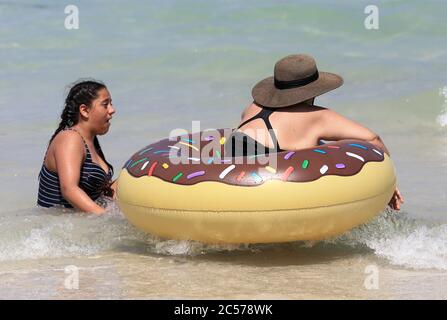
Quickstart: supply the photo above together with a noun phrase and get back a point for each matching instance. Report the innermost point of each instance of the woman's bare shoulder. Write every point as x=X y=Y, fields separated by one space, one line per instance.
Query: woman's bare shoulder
x=68 y=139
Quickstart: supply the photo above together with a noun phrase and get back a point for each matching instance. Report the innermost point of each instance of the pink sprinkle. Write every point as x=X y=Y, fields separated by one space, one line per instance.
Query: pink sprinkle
x=240 y=176
x=340 y=166
x=195 y=174
x=287 y=173
x=209 y=138
x=334 y=147
x=289 y=155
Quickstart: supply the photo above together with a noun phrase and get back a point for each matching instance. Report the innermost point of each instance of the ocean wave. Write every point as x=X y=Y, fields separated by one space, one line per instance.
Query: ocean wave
x=401 y=240
x=442 y=118
x=38 y=233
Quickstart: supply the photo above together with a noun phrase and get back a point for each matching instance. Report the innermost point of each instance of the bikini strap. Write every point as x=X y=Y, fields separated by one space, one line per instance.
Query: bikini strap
x=85 y=143
x=264 y=114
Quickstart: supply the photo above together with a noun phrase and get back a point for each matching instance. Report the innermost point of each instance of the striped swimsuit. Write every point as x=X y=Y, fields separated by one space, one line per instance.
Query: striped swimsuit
x=93 y=180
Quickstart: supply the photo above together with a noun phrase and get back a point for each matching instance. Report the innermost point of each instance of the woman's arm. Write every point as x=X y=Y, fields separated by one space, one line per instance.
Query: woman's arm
x=336 y=127
x=69 y=154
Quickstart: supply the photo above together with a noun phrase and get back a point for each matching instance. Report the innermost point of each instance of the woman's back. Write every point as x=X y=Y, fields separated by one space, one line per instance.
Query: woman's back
x=296 y=127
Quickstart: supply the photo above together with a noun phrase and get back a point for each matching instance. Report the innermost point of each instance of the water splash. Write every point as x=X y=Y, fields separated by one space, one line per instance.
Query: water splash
x=442 y=118
x=40 y=233
x=401 y=240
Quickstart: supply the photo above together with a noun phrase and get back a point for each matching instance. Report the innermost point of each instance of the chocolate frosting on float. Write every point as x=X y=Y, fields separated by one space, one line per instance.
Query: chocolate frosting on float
x=341 y=158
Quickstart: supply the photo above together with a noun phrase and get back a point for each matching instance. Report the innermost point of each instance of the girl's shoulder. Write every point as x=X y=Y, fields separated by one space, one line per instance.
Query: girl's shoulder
x=68 y=139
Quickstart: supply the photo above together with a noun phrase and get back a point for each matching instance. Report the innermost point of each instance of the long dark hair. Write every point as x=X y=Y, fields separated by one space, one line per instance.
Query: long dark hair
x=81 y=92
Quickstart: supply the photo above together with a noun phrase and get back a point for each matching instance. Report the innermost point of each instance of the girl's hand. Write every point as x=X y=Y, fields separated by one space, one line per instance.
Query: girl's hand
x=396 y=200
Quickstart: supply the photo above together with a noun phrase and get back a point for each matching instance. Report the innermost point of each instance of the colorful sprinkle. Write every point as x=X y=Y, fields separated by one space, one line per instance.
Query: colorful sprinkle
x=319 y=151
x=270 y=169
x=174 y=147
x=225 y=161
x=218 y=154
x=189 y=145
x=378 y=152
x=141 y=153
x=194 y=159
x=137 y=162
x=289 y=155
x=209 y=138
x=257 y=177
x=305 y=164
x=151 y=169
x=188 y=140
x=165 y=165
x=178 y=176
x=222 y=140
x=144 y=165
x=340 y=166
x=358 y=146
x=127 y=163
x=287 y=173
x=240 y=176
x=226 y=171
x=324 y=169
x=161 y=151
x=195 y=174
x=210 y=160
x=334 y=147
x=355 y=156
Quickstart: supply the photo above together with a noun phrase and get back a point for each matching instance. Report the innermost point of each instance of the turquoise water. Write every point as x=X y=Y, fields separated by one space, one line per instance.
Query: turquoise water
x=168 y=63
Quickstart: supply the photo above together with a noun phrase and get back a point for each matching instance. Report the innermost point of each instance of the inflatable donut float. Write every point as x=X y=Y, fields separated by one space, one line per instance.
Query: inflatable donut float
x=185 y=188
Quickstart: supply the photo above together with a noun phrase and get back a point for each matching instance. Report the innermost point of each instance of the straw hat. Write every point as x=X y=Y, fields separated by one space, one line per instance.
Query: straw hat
x=296 y=79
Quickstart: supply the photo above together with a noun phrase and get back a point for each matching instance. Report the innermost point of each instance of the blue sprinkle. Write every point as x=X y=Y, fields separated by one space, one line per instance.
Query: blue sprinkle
x=141 y=153
x=319 y=151
x=188 y=140
x=358 y=146
x=127 y=163
x=210 y=160
x=257 y=178
x=162 y=151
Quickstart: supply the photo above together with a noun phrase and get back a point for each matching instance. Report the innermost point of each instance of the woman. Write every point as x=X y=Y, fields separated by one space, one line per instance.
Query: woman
x=283 y=115
x=75 y=172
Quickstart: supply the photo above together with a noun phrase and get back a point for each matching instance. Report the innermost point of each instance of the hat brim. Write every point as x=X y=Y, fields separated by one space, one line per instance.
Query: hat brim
x=266 y=94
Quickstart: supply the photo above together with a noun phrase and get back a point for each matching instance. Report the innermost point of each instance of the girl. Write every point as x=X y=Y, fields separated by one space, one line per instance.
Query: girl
x=75 y=172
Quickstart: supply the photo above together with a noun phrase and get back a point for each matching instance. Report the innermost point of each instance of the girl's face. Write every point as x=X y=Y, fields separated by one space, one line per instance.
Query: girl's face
x=101 y=112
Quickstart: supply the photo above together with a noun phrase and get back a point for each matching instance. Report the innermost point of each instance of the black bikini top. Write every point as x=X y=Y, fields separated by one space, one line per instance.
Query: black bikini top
x=264 y=114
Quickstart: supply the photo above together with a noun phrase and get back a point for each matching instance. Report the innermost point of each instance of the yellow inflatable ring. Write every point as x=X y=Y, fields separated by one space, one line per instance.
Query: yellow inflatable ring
x=309 y=194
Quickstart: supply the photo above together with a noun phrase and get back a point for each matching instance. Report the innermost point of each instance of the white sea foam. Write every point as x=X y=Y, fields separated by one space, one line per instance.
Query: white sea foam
x=393 y=236
x=402 y=241
x=442 y=118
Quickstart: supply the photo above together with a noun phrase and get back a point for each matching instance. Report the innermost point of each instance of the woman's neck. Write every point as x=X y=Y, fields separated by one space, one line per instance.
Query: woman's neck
x=87 y=134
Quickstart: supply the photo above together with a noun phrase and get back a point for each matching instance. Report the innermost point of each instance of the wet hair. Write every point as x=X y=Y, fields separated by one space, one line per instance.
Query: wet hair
x=81 y=92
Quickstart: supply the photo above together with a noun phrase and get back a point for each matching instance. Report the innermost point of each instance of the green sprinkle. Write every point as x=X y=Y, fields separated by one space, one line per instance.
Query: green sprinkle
x=177 y=176
x=305 y=164
x=218 y=154
x=137 y=162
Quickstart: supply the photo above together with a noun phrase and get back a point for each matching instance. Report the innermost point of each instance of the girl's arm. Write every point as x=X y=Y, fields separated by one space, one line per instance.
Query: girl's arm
x=69 y=154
